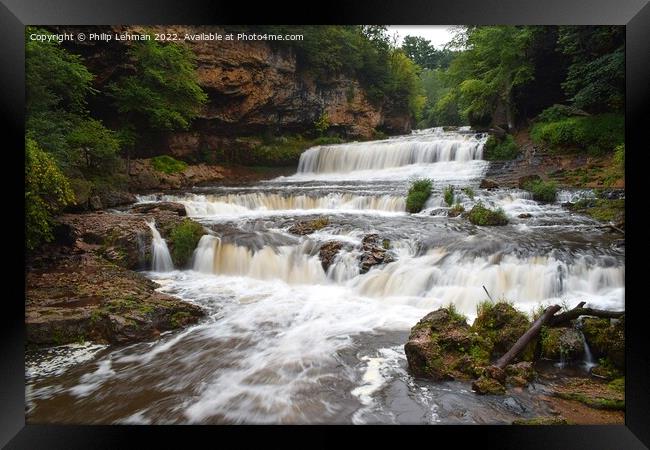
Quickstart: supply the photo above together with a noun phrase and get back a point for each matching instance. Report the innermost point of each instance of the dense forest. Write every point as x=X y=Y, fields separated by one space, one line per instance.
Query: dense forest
x=563 y=84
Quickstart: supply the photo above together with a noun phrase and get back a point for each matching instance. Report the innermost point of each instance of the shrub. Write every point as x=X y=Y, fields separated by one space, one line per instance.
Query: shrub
x=449 y=195
x=323 y=123
x=469 y=192
x=595 y=134
x=167 y=164
x=480 y=215
x=183 y=240
x=456 y=210
x=418 y=195
x=542 y=191
x=500 y=148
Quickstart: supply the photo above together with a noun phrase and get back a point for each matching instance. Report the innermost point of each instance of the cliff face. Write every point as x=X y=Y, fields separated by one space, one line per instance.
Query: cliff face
x=254 y=88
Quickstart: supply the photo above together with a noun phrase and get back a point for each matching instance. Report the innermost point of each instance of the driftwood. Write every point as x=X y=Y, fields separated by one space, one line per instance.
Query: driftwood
x=528 y=336
x=580 y=311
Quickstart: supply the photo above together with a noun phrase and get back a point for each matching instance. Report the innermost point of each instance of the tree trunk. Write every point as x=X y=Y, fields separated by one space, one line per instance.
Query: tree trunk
x=580 y=311
x=528 y=336
x=509 y=113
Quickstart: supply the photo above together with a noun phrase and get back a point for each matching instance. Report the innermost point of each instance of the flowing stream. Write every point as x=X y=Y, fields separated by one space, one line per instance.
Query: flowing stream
x=288 y=342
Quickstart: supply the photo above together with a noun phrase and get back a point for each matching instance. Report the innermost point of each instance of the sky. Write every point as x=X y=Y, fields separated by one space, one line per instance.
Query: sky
x=439 y=35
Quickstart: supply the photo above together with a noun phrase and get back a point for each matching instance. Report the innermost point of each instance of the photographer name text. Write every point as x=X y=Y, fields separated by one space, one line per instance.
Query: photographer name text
x=107 y=37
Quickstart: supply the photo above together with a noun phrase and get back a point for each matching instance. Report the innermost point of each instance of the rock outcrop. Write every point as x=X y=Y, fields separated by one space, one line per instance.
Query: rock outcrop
x=374 y=252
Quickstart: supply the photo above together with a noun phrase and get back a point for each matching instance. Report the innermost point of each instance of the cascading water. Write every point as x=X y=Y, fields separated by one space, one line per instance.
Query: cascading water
x=161 y=260
x=287 y=341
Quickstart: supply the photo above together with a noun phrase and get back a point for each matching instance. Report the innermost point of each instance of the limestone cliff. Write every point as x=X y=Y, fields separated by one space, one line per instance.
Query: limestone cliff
x=254 y=87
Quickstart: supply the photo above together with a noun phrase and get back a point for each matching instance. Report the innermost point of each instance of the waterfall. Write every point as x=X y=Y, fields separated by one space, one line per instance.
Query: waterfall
x=161 y=260
x=376 y=155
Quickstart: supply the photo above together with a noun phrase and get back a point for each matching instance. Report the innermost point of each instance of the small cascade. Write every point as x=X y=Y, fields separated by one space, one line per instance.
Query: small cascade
x=161 y=260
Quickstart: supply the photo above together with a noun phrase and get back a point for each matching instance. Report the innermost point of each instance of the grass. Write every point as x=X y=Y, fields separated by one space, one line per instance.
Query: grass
x=543 y=191
x=449 y=195
x=167 y=164
x=456 y=210
x=469 y=192
x=601 y=209
x=480 y=215
x=500 y=148
x=418 y=195
x=597 y=135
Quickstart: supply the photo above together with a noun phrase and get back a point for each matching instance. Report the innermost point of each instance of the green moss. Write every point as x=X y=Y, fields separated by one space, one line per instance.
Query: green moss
x=183 y=240
x=480 y=215
x=179 y=318
x=551 y=420
x=602 y=209
x=449 y=195
x=543 y=191
x=500 y=148
x=167 y=164
x=593 y=401
x=418 y=195
x=501 y=324
x=385 y=244
x=617 y=384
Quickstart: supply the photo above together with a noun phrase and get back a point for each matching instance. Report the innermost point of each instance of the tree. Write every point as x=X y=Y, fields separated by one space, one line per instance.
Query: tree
x=494 y=62
x=47 y=192
x=426 y=55
x=596 y=76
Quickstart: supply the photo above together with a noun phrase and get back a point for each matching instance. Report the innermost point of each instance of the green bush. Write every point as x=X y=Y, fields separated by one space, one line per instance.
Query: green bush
x=167 y=164
x=322 y=124
x=183 y=240
x=543 y=191
x=480 y=215
x=469 y=192
x=500 y=148
x=449 y=195
x=47 y=192
x=418 y=194
x=595 y=134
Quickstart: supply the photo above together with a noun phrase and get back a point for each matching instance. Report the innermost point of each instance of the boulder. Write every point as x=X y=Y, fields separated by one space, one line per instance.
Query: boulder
x=561 y=343
x=176 y=208
x=487 y=183
x=525 y=216
x=502 y=325
x=302 y=228
x=374 y=252
x=520 y=374
x=328 y=252
x=606 y=338
x=486 y=385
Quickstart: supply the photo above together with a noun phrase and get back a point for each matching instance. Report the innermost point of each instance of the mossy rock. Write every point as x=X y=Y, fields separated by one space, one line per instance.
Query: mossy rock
x=502 y=325
x=486 y=385
x=561 y=343
x=442 y=347
x=606 y=339
x=520 y=374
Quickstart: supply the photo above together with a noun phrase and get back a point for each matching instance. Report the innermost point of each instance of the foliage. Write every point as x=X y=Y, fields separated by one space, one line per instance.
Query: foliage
x=418 y=195
x=500 y=148
x=456 y=210
x=449 y=195
x=426 y=55
x=183 y=240
x=94 y=146
x=469 y=192
x=163 y=90
x=596 y=76
x=167 y=164
x=596 y=134
x=47 y=192
x=322 y=124
x=480 y=215
x=544 y=191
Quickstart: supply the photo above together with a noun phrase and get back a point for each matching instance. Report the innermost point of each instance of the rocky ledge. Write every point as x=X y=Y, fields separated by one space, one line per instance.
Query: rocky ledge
x=80 y=288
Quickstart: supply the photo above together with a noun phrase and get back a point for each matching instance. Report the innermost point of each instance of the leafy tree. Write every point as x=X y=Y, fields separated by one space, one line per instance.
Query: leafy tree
x=47 y=192
x=494 y=62
x=596 y=76
x=96 y=146
x=426 y=55
x=163 y=92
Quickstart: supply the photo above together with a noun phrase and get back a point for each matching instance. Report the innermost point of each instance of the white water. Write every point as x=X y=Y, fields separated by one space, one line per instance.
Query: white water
x=161 y=260
x=287 y=342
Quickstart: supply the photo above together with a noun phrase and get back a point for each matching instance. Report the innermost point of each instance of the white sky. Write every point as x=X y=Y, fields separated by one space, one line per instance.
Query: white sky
x=439 y=35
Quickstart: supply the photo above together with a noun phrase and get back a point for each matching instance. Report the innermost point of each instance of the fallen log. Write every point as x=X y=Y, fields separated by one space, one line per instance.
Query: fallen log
x=580 y=311
x=528 y=336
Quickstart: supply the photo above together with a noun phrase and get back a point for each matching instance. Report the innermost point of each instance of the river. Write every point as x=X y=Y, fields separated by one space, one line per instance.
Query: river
x=286 y=342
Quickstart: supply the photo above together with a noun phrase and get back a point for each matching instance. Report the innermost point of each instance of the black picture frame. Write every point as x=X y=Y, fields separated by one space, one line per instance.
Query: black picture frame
x=634 y=14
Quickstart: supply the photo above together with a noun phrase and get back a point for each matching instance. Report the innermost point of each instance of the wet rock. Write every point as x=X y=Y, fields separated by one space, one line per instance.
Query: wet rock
x=520 y=374
x=328 y=252
x=487 y=183
x=525 y=216
x=606 y=339
x=561 y=343
x=302 y=228
x=523 y=181
x=488 y=386
x=374 y=252
x=502 y=325
x=176 y=208
x=442 y=347
x=84 y=297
